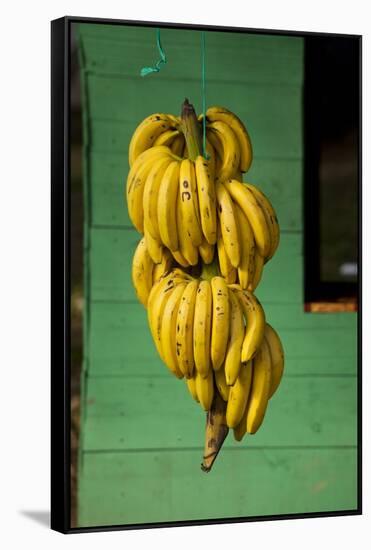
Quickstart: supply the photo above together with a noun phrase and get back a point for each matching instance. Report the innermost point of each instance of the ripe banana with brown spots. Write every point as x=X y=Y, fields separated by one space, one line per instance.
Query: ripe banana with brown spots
x=246 y=200
x=260 y=388
x=277 y=357
x=228 y=224
x=220 y=321
x=232 y=362
x=206 y=199
x=255 y=323
x=222 y=114
x=202 y=329
x=184 y=329
x=147 y=132
x=141 y=272
x=238 y=395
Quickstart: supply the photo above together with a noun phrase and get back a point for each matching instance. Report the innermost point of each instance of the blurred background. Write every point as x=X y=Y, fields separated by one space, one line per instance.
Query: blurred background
x=136 y=457
x=77 y=224
x=336 y=103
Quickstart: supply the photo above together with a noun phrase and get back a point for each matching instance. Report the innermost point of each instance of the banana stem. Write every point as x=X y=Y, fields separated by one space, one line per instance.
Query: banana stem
x=216 y=425
x=216 y=432
x=191 y=130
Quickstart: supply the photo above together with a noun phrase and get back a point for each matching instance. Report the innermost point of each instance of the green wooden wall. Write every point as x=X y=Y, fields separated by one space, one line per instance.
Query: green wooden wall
x=142 y=435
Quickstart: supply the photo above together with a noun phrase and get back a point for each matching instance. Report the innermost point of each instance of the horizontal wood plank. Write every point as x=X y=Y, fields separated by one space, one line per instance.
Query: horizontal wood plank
x=280 y=179
x=304 y=411
x=120 y=343
x=263 y=58
x=288 y=45
x=112 y=251
x=125 y=488
x=117 y=105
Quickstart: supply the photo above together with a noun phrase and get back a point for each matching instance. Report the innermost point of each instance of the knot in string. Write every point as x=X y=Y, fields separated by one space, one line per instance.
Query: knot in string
x=162 y=61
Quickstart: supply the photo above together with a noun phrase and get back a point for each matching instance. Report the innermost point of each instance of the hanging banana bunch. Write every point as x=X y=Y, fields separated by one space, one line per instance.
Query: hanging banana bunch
x=206 y=237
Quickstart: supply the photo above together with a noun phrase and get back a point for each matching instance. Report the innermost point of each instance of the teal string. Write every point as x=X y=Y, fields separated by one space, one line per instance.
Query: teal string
x=203 y=79
x=162 y=61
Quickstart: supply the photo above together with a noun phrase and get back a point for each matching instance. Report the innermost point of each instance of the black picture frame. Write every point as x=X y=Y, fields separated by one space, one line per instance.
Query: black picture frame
x=60 y=282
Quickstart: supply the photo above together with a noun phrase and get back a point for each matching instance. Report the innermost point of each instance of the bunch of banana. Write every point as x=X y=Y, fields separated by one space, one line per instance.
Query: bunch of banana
x=204 y=328
x=161 y=129
x=145 y=273
x=234 y=349
x=248 y=232
x=172 y=202
x=227 y=139
x=231 y=141
x=206 y=238
x=257 y=382
x=156 y=129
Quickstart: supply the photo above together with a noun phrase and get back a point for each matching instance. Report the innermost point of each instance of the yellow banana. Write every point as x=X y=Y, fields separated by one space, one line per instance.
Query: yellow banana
x=241 y=429
x=205 y=390
x=247 y=247
x=184 y=329
x=232 y=120
x=258 y=270
x=211 y=158
x=259 y=393
x=151 y=195
x=141 y=272
x=216 y=144
x=255 y=323
x=231 y=149
x=189 y=201
x=175 y=120
x=210 y=150
x=270 y=217
x=202 y=328
x=162 y=268
x=249 y=205
x=236 y=336
x=179 y=258
x=182 y=274
x=167 y=205
x=221 y=384
x=186 y=248
x=168 y=330
x=206 y=199
x=226 y=268
x=136 y=181
x=156 y=303
x=220 y=321
x=146 y=157
x=177 y=146
x=228 y=224
x=191 y=384
x=166 y=138
x=146 y=133
x=155 y=249
x=158 y=296
x=277 y=357
x=238 y=395
x=206 y=251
